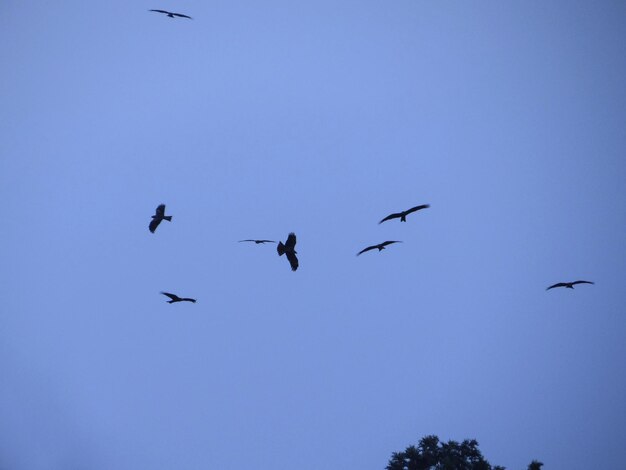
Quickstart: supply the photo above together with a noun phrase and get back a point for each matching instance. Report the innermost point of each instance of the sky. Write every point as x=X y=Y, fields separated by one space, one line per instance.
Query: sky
x=256 y=119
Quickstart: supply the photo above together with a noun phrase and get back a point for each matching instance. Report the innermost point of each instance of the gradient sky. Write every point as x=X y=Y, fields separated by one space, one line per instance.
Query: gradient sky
x=255 y=119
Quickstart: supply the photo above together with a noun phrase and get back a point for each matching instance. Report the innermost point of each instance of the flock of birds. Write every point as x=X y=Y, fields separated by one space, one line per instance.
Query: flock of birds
x=289 y=247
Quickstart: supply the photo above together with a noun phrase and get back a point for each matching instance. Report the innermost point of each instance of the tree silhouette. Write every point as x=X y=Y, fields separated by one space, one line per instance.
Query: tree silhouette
x=432 y=454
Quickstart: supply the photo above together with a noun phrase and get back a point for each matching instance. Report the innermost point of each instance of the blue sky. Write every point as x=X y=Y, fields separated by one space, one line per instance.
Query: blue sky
x=256 y=119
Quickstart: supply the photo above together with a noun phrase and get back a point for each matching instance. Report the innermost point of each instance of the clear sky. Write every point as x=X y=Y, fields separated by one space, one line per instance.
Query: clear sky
x=256 y=119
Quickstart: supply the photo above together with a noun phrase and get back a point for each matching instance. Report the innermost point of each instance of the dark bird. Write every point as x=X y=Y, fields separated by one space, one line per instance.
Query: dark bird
x=380 y=246
x=175 y=298
x=158 y=217
x=258 y=241
x=289 y=249
x=569 y=285
x=402 y=215
x=172 y=15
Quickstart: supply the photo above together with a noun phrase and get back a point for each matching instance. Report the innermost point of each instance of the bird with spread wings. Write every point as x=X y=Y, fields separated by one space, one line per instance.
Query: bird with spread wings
x=568 y=285
x=158 y=217
x=288 y=249
x=174 y=298
x=172 y=14
x=380 y=246
x=257 y=241
x=402 y=215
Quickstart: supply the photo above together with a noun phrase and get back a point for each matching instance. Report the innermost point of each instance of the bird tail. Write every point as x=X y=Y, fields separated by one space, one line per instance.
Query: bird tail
x=280 y=248
x=168 y=218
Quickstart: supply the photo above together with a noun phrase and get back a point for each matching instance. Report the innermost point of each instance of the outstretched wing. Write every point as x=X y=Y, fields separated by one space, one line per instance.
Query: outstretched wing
x=367 y=249
x=582 y=282
x=391 y=216
x=182 y=16
x=389 y=242
x=258 y=241
x=160 y=211
x=293 y=260
x=416 y=208
x=187 y=299
x=162 y=11
x=154 y=223
x=558 y=284
x=291 y=243
x=171 y=296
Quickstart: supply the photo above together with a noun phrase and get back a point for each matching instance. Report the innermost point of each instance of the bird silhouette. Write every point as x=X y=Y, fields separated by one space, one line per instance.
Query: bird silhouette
x=258 y=241
x=174 y=298
x=158 y=217
x=568 y=285
x=380 y=246
x=288 y=249
x=171 y=14
x=402 y=215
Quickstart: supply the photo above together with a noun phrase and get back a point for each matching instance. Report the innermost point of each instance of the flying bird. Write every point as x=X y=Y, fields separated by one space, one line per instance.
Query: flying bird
x=402 y=215
x=380 y=246
x=569 y=285
x=171 y=14
x=289 y=249
x=158 y=217
x=258 y=241
x=175 y=298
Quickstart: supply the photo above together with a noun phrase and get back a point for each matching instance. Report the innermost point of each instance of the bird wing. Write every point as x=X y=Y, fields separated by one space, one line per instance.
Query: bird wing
x=291 y=241
x=367 y=249
x=293 y=260
x=391 y=216
x=264 y=241
x=154 y=223
x=247 y=241
x=162 y=11
x=171 y=296
x=416 y=208
x=187 y=299
x=582 y=282
x=389 y=242
x=558 y=284
x=160 y=211
x=182 y=16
